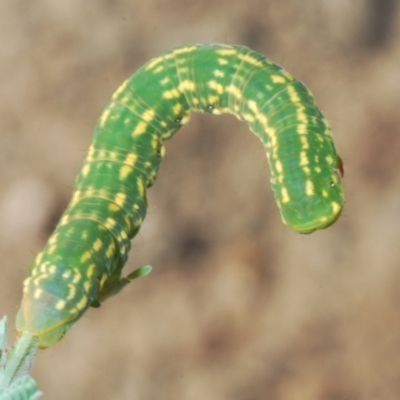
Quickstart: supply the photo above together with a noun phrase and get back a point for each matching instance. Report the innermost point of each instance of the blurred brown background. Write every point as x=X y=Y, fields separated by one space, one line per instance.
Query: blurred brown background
x=238 y=306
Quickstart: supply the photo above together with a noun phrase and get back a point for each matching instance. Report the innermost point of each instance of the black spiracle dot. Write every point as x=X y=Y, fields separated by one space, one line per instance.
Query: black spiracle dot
x=210 y=108
x=160 y=150
x=332 y=184
x=178 y=120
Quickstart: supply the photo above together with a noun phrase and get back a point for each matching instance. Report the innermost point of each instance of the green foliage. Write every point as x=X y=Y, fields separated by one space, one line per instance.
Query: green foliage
x=15 y=364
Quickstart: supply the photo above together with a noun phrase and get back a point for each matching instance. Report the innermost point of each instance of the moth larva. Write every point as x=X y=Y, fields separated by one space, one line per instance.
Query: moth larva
x=81 y=264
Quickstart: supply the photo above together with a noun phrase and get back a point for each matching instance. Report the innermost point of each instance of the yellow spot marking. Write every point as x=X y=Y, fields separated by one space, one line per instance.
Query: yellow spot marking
x=124 y=171
x=113 y=207
x=218 y=73
x=263 y=120
x=90 y=270
x=164 y=81
x=120 y=198
x=235 y=91
x=278 y=79
x=213 y=100
x=66 y=274
x=279 y=167
x=98 y=244
x=82 y=303
x=131 y=159
x=159 y=69
x=60 y=305
x=303 y=158
x=85 y=169
x=301 y=116
x=304 y=142
x=217 y=111
x=149 y=114
x=253 y=106
x=330 y=160
x=248 y=117
x=76 y=195
x=52 y=269
x=71 y=292
x=110 y=250
x=140 y=128
x=86 y=256
x=187 y=85
x=287 y=76
x=104 y=116
x=187 y=49
x=335 y=207
x=113 y=155
x=103 y=279
x=185 y=119
x=214 y=85
x=37 y=293
x=151 y=64
x=318 y=170
x=91 y=151
x=141 y=187
x=177 y=108
x=293 y=95
x=285 y=195
x=39 y=257
x=273 y=141
x=110 y=223
x=222 y=61
x=249 y=59
x=227 y=52
x=90 y=191
x=309 y=188
x=120 y=89
x=171 y=94
x=324 y=193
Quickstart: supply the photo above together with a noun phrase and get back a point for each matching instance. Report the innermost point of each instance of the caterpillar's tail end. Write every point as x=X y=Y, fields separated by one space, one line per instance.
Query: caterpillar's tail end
x=41 y=321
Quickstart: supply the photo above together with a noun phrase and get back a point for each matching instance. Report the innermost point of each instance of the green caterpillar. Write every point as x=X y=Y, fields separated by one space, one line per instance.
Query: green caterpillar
x=81 y=264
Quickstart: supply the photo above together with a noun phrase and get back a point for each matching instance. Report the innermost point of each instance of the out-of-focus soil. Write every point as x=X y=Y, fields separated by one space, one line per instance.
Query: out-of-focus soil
x=238 y=306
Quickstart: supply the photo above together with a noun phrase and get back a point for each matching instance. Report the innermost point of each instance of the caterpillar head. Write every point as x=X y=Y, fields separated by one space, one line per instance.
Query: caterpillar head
x=317 y=206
